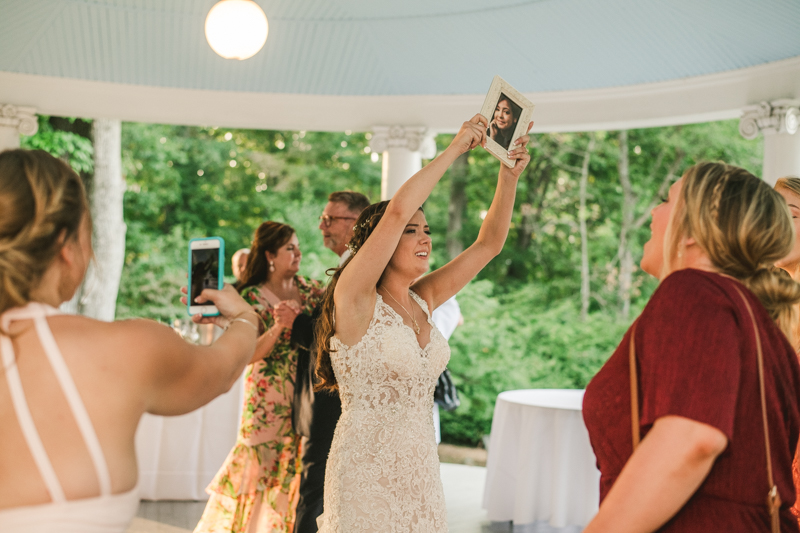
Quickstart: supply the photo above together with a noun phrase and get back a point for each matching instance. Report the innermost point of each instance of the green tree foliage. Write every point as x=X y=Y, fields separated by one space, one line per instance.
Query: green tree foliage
x=186 y=182
x=60 y=137
x=522 y=317
x=522 y=314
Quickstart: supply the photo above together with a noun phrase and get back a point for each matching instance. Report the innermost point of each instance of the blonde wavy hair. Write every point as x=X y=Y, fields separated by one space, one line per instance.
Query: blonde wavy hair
x=42 y=204
x=789 y=183
x=792 y=185
x=744 y=226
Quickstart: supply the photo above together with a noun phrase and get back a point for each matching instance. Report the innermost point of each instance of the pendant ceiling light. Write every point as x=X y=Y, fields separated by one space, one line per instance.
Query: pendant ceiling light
x=236 y=29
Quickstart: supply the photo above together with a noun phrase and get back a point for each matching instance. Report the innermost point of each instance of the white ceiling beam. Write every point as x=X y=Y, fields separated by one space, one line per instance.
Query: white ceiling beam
x=698 y=99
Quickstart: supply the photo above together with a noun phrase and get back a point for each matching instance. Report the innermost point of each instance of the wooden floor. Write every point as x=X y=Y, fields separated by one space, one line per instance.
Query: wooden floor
x=463 y=491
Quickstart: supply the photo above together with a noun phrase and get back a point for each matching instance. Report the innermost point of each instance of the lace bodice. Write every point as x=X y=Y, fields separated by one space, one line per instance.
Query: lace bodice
x=383 y=469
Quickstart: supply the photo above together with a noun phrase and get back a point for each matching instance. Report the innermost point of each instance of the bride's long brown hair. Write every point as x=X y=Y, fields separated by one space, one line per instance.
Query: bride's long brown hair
x=365 y=225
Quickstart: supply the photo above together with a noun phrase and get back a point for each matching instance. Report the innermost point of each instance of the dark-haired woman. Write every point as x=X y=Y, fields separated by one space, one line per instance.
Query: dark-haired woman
x=257 y=487
x=379 y=347
x=702 y=461
x=504 y=121
x=73 y=389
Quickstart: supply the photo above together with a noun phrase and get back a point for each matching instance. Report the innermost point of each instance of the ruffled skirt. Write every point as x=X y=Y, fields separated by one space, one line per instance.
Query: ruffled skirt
x=256 y=490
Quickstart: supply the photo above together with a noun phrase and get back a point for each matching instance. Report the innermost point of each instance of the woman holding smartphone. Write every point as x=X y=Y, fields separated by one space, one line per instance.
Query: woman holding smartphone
x=257 y=487
x=72 y=389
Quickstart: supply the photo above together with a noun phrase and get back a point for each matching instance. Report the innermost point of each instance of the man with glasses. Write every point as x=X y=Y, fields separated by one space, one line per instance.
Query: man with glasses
x=338 y=218
x=315 y=414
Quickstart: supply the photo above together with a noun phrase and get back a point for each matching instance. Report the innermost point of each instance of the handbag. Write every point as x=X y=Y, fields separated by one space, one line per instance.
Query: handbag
x=445 y=395
x=773 y=498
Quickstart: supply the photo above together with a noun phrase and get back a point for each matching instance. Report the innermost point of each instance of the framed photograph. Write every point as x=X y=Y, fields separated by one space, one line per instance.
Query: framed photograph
x=508 y=113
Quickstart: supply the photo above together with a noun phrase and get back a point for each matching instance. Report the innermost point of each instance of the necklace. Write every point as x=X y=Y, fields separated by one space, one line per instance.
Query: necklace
x=411 y=315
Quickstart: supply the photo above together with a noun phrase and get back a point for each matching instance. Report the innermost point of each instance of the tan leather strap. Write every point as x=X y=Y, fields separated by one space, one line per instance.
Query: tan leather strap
x=634 y=389
x=773 y=498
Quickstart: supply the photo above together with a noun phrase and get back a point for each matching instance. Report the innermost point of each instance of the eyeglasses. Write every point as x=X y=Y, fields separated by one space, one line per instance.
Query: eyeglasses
x=327 y=220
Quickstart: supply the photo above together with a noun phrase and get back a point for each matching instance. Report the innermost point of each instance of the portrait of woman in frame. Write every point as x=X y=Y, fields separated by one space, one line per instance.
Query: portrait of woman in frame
x=504 y=121
x=508 y=113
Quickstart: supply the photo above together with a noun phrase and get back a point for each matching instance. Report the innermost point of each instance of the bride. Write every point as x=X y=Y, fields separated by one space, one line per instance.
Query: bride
x=379 y=348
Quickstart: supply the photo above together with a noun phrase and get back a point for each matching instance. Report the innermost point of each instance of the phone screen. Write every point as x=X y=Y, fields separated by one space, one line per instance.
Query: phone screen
x=205 y=271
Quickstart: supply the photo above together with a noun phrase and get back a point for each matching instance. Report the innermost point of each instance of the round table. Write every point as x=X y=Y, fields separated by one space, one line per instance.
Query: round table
x=178 y=456
x=541 y=467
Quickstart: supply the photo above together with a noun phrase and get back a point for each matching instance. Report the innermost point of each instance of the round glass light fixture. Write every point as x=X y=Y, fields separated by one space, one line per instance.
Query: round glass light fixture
x=236 y=29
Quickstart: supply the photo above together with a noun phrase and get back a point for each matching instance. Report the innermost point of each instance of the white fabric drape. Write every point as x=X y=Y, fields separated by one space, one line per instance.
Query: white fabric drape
x=179 y=455
x=541 y=467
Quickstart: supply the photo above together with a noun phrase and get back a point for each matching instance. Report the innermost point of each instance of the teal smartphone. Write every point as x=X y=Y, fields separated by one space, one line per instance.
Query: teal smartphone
x=206 y=271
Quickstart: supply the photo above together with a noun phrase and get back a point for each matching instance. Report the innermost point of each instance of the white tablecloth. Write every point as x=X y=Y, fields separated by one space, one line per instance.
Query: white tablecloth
x=541 y=467
x=179 y=455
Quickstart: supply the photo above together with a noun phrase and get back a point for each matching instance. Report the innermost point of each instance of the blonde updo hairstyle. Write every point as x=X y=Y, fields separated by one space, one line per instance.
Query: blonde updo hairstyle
x=792 y=185
x=789 y=183
x=365 y=224
x=42 y=204
x=744 y=226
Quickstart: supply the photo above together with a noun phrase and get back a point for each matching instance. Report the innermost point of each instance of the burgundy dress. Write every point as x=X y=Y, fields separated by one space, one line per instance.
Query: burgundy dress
x=696 y=356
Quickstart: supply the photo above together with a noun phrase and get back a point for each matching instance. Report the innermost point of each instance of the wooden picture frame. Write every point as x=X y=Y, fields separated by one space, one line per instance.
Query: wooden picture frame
x=498 y=138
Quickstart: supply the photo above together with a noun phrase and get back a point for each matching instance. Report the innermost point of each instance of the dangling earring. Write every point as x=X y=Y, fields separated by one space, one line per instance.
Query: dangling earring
x=272 y=266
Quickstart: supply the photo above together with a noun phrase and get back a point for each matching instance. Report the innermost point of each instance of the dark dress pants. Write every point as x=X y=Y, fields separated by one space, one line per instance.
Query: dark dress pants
x=312 y=484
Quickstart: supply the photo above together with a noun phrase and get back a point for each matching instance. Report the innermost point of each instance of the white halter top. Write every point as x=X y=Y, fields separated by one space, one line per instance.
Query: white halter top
x=107 y=513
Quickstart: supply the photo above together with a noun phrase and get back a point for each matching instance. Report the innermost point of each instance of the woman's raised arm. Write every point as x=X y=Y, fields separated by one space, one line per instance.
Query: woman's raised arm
x=444 y=283
x=356 y=286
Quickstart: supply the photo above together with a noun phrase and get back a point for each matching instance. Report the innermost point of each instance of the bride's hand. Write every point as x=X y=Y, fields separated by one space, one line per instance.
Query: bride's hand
x=471 y=134
x=518 y=153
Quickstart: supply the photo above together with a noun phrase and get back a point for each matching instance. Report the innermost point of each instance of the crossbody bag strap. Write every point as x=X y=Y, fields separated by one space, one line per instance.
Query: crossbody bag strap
x=635 y=430
x=773 y=498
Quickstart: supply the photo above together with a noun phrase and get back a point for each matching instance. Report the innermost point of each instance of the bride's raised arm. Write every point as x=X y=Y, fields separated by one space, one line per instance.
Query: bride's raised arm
x=355 y=290
x=444 y=283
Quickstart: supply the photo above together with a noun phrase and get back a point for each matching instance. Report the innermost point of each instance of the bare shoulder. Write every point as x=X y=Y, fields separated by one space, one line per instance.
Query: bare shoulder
x=138 y=332
x=133 y=345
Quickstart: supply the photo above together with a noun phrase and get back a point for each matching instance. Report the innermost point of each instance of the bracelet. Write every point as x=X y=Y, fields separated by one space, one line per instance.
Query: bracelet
x=251 y=312
x=239 y=319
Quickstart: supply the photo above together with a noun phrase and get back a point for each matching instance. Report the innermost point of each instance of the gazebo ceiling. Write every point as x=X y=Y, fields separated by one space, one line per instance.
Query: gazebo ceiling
x=352 y=64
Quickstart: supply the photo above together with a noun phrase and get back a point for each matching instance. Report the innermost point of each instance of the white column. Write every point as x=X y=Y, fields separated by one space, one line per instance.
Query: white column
x=403 y=150
x=108 y=187
x=778 y=121
x=16 y=121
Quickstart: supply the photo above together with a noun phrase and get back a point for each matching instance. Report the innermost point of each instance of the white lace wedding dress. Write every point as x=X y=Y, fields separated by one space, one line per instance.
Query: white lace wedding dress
x=383 y=468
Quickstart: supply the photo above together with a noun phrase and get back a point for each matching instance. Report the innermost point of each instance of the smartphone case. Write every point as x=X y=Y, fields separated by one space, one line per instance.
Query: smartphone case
x=221 y=269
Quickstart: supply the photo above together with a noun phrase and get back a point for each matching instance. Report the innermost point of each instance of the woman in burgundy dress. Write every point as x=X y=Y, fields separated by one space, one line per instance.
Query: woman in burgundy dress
x=701 y=464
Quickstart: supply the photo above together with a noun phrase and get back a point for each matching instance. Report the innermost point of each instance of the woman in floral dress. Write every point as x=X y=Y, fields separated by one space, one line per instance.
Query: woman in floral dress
x=256 y=489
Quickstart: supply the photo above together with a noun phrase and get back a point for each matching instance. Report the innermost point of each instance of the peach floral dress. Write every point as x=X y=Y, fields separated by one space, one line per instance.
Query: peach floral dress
x=256 y=489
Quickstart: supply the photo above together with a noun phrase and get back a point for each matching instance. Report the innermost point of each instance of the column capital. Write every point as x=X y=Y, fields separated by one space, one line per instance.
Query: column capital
x=22 y=118
x=777 y=116
x=412 y=138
